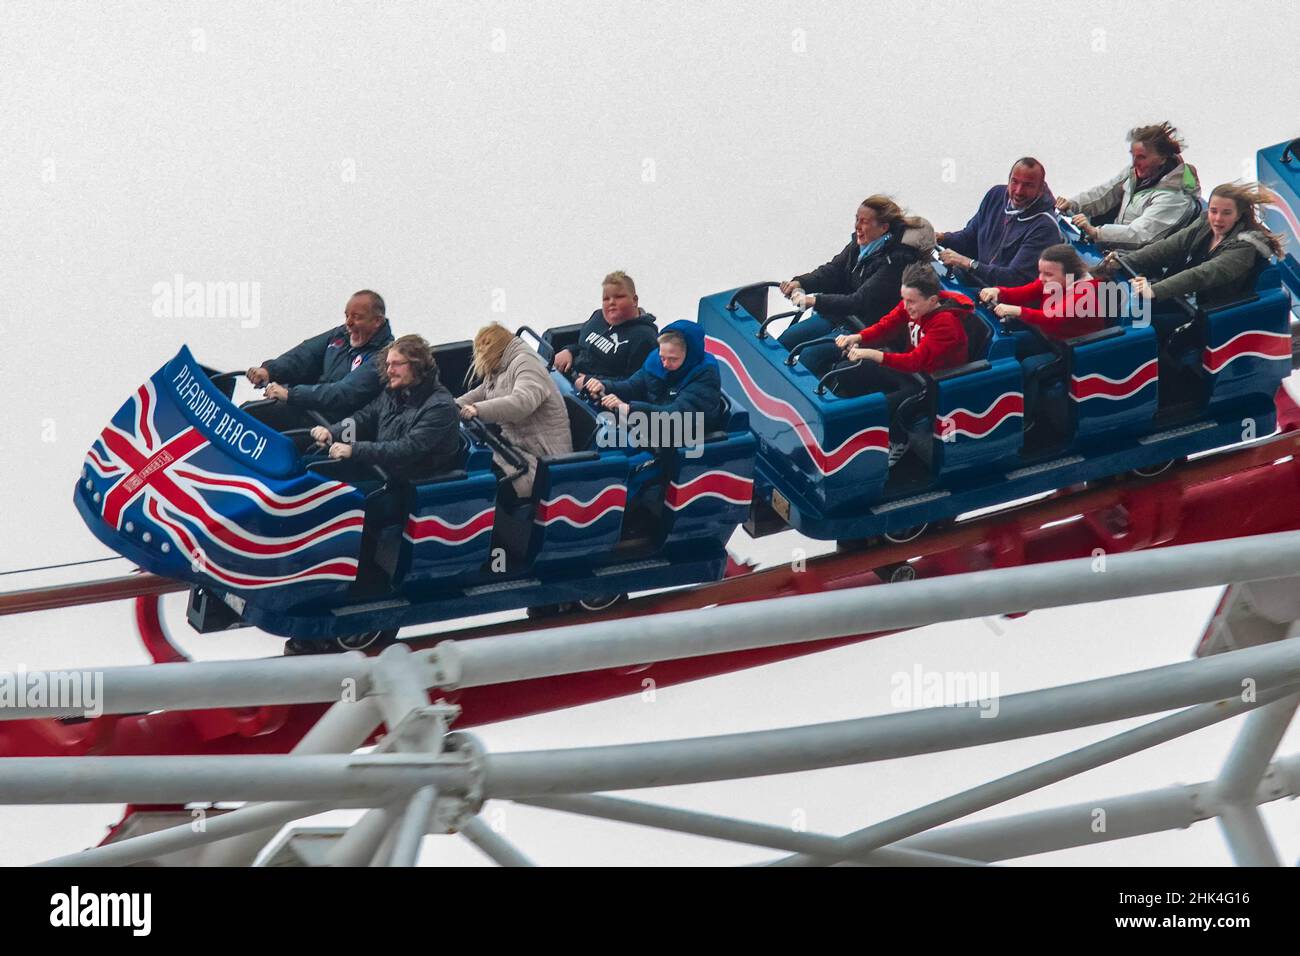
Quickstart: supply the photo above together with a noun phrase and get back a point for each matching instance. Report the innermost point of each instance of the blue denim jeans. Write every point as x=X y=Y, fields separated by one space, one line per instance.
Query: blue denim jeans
x=818 y=359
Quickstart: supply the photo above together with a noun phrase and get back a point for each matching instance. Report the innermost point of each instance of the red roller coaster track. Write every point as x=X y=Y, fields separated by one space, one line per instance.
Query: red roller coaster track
x=1258 y=485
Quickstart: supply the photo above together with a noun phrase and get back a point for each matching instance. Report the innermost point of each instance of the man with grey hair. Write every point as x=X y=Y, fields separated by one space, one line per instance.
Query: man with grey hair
x=333 y=373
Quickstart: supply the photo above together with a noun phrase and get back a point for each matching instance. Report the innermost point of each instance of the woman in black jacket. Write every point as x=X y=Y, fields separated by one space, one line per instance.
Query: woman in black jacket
x=859 y=285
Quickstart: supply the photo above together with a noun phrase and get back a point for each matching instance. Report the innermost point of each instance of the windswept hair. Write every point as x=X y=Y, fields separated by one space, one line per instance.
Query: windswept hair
x=920 y=276
x=1162 y=137
x=489 y=347
x=1249 y=197
x=414 y=349
x=889 y=212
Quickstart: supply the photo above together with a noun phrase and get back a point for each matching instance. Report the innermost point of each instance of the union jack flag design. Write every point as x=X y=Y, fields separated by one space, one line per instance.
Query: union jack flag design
x=178 y=486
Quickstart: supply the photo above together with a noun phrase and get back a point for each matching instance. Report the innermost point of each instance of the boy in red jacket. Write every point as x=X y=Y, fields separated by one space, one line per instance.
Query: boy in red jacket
x=935 y=322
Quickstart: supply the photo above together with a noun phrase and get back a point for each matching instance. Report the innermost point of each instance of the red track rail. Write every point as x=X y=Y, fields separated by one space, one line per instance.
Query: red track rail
x=1259 y=486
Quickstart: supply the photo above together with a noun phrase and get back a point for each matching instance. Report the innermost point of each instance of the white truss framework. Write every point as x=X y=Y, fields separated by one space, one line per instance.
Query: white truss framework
x=422 y=779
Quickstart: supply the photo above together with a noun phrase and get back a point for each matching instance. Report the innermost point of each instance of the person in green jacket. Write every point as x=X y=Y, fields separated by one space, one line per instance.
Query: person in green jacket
x=1214 y=257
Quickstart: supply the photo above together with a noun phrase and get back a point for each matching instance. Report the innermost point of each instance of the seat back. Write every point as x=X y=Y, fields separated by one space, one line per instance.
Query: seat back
x=582 y=422
x=978 y=336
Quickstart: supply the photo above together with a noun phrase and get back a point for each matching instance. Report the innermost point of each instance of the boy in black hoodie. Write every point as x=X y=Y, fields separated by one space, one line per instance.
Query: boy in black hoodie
x=615 y=341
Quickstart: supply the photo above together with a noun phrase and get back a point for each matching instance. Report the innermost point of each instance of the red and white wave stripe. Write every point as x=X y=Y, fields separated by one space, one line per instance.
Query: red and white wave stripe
x=711 y=484
x=1286 y=212
x=1252 y=343
x=146 y=400
x=1096 y=385
x=269 y=501
x=433 y=528
x=962 y=421
x=581 y=514
x=335 y=569
x=875 y=438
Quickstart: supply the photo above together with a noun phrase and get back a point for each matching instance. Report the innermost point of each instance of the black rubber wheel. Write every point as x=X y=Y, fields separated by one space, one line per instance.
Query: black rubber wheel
x=894 y=573
x=543 y=611
x=365 y=641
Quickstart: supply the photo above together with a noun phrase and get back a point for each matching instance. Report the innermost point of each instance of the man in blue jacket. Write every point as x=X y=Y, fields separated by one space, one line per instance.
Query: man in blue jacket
x=681 y=377
x=333 y=373
x=1015 y=222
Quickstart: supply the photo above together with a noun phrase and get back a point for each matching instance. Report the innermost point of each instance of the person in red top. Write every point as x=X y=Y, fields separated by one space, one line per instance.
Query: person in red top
x=1065 y=301
x=935 y=323
x=936 y=334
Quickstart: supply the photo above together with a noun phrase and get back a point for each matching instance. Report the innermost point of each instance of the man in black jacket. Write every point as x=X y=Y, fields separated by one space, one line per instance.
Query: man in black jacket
x=333 y=373
x=411 y=429
x=617 y=338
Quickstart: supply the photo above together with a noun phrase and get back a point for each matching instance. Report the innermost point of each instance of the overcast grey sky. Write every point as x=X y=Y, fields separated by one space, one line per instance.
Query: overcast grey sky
x=493 y=161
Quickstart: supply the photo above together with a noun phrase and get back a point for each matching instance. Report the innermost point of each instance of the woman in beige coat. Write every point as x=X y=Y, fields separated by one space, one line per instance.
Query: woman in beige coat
x=515 y=391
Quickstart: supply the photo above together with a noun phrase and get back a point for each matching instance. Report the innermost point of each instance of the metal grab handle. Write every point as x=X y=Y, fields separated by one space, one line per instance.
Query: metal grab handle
x=762 y=326
x=1191 y=311
x=794 y=352
x=731 y=306
x=836 y=373
x=504 y=449
x=947 y=269
x=1052 y=345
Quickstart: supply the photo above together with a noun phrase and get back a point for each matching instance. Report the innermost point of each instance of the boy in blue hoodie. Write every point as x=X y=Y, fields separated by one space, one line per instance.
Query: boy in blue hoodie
x=680 y=377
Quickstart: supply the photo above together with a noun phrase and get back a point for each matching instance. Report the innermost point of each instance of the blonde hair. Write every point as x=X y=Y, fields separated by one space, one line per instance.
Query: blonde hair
x=489 y=346
x=619 y=277
x=889 y=212
x=1249 y=197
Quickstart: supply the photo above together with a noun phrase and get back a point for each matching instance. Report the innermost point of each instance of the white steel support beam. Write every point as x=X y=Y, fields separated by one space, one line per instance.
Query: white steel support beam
x=1036 y=777
x=492 y=844
x=810 y=617
x=1239 y=818
x=362 y=780
x=672 y=762
x=342 y=729
x=251 y=819
x=680 y=634
x=735 y=831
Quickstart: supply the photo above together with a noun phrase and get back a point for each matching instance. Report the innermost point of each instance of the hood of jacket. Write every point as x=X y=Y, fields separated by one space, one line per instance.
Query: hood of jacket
x=642 y=318
x=954 y=302
x=1045 y=204
x=514 y=351
x=1182 y=178
x=696 y=356
x=919 y=237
